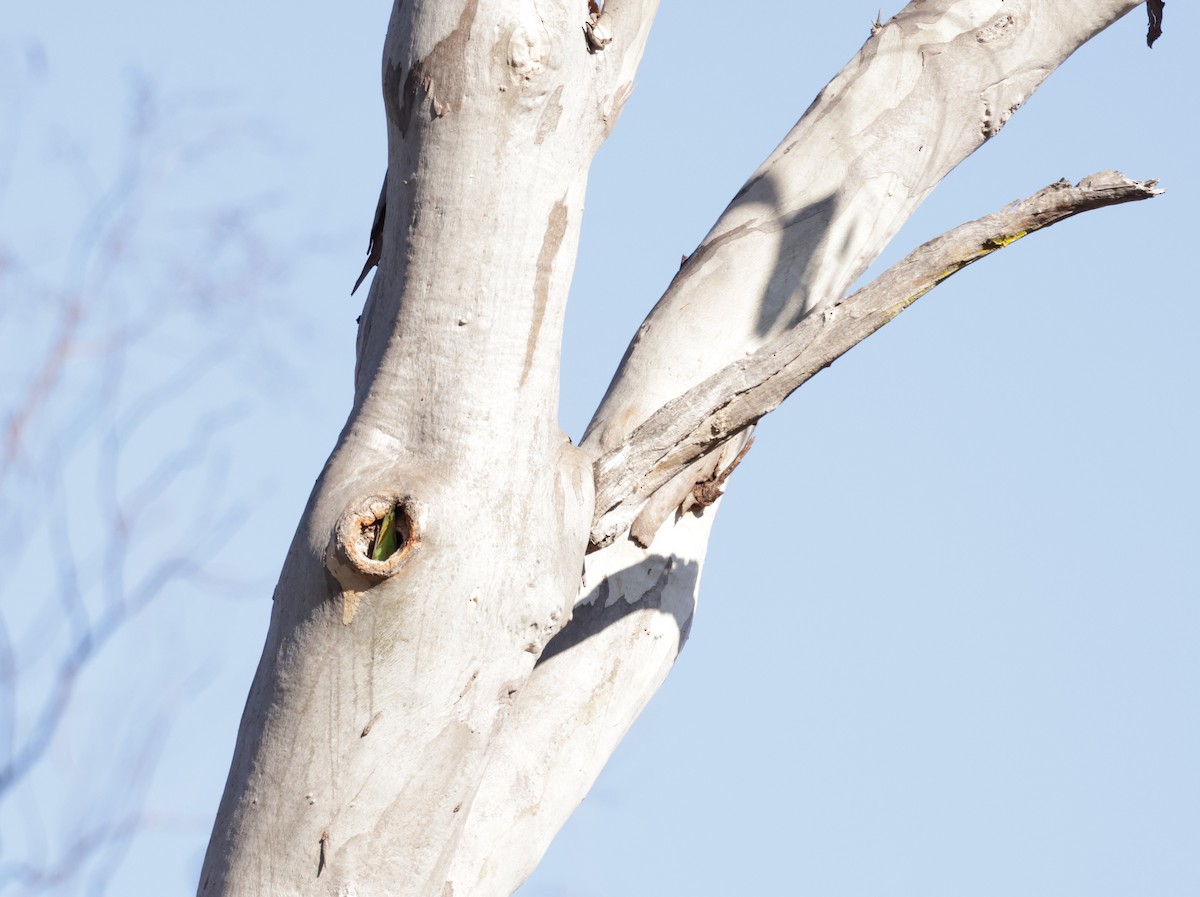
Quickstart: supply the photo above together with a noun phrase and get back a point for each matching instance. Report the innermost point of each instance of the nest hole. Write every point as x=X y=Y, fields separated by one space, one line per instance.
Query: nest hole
x=388 y=534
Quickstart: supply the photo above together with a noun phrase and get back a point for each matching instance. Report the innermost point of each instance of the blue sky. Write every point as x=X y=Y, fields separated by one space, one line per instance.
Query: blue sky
x=948 y=628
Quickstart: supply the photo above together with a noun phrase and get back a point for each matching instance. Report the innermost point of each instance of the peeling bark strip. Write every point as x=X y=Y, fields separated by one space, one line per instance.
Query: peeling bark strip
x=1154 y=10
x=706 y=416
x=375 y=243
x=706 y=492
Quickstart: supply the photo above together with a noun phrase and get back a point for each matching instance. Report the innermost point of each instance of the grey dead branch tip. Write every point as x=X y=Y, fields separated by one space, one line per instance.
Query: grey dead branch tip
x=706 y=417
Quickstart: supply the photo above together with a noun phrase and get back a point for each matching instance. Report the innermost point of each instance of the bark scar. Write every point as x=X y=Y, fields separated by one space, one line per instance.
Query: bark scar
x=371 y=724
x=321 y=856
x=556 y=229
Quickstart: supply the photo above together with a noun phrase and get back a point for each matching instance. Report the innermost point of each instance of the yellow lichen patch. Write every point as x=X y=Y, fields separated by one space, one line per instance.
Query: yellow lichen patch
x=953 y=269
x=892 y=310
x=1000 y=242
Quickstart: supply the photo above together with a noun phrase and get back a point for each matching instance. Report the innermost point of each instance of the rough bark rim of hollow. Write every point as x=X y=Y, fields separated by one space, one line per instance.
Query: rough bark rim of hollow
x=349 y=558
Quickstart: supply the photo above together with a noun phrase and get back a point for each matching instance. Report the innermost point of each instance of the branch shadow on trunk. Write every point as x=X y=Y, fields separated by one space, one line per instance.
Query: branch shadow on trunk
x=601 y=608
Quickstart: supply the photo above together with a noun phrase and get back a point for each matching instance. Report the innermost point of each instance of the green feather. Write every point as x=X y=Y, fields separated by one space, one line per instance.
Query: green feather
x=385 y=542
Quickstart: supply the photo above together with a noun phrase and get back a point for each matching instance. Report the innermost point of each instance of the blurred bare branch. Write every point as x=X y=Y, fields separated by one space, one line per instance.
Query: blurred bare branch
x=115 y=446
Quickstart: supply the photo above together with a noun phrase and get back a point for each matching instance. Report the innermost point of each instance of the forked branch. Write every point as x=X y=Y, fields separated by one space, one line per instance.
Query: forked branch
x=708 y=415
